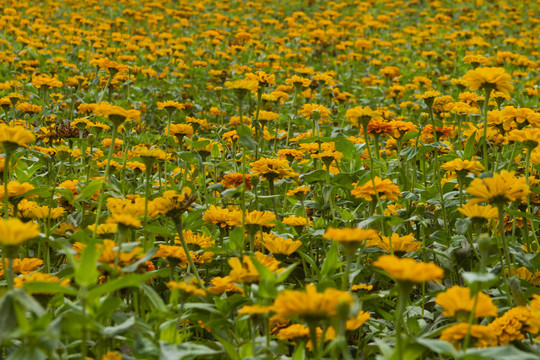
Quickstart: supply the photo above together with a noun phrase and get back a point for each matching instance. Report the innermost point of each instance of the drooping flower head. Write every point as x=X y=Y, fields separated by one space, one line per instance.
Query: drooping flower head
x=492 y=78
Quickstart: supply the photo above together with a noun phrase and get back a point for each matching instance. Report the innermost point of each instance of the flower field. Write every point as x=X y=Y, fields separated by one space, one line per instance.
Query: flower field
x=269 y=179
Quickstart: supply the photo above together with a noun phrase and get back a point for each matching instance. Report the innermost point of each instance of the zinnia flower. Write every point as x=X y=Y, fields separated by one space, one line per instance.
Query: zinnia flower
x=482 y=335
x=409 y=270
x=457 y=301
x=14 y=232
x=498 y=189
x=386 y=189
x=309 y=304
x=489 y=78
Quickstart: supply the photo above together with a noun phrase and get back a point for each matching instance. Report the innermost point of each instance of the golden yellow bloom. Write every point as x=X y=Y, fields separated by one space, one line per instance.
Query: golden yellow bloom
x=386 y=189
x=245 y=272
x=224 y=284
x=170 y=105
x=272 y=169
x=355 y=322
x=242 y=85
x=280 y=246
x=21 y=266
x=512 y=325
x=530 y=138
x=357 y=236
x=457 y=302
x=14 y=232
x=173 y=203
x=400 y=244
x=482 y=335
x=361 y=287
x=498 y=189
x=319 y=112
x=299 y=191
x=295 y=221
x=41 y=277
x=14 y=136
x=490 y=78
x=15 y=189
x=409 y=270
x=173 y=252
x=186 y=288
x=111 y=66
x=463 y=167
x=225 y=218
x=255 y=310
x=260 y=218
x=479 y=212
x=309 y=304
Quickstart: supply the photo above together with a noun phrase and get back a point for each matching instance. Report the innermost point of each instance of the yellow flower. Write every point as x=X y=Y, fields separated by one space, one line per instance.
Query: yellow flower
x=489 y=78
x=463 y=167
x=14 y=232
x=386 y=189
x=280 y=246
x=512 y=325
x=400 y=244
x=478 y=212
x=351 y=239
x=170 y=105
x=530 y=138
x=409 y=270
x=21 y=266
x=299 y=191
x=15 y=189
x=186 y=288
x=41 y=277
x=260 y=218
x=361 y=287
x=272 y=169
x=245 y=271
x=498 y=189
x=15 y=136
x=318 y=112
x=457 y=301
x=225 y=218
x=309 y=304
x=111 y=66
x=355 y=322
x=482 y=335
x=255 y=310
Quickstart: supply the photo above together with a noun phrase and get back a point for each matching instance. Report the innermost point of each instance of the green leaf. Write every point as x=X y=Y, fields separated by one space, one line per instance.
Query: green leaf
x=185 y=351
x=48 y=288
x=131 y=280
x=155 y=299
x=236 y=239
x=438 y=346
x=244 y=130
x=86 y=273
x=331 y=261
x=247 y=142
x=345 y=146
x=89 y=190
x=27 y=353
x=469 y=147
x=408 y=136
x=112 y=331
x=314 y=176
x=501 y=352
x=462 y=225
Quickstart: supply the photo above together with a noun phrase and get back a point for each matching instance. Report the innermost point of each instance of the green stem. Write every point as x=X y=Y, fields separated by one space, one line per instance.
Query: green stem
x=178 y=224
x=105 y=179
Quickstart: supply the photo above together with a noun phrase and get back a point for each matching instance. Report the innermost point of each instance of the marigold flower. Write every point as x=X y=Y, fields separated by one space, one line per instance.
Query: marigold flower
x=280 y=246
x=482 y=335
x=512 y=325
x=489 y=78
x=409 y=270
